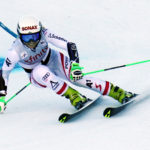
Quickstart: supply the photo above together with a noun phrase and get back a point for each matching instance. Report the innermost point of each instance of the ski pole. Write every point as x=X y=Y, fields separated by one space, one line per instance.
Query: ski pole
x=8 y=30
x=17 y=93
x=116 y=67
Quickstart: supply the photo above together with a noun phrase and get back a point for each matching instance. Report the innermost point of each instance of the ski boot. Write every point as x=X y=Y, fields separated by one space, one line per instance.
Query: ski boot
x=120 y=95
x=128 y=97
x=76 y=99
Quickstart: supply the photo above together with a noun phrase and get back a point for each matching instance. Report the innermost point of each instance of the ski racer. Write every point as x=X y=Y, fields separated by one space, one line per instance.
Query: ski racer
x=48 y=68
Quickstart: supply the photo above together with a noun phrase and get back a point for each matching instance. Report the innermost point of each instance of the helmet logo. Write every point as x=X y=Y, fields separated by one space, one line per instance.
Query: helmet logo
x=29 y=28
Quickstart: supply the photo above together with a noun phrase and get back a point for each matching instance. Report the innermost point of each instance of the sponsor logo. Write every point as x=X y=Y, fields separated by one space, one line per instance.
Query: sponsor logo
x=89 y=83
x=66 y=63
x=29 y=28
x=45 y=77
x=8 y=62
x=54 y=85
x=98 y=87
x=33 y=58
x=73 y=47
x=24 y=55
x=44 y=30
x=42 y=42
x=56 y=37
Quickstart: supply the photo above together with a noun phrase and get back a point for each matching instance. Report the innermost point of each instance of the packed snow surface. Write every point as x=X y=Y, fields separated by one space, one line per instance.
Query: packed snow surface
x=107 y=33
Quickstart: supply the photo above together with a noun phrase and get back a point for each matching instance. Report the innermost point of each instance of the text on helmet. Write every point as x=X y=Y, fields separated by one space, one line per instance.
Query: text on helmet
x=29 y=28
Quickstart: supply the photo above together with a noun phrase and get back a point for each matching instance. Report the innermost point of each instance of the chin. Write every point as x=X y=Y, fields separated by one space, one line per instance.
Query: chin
x=32 y=45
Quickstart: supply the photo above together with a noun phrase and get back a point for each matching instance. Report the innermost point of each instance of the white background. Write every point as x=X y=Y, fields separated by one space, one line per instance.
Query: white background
x=107 y=33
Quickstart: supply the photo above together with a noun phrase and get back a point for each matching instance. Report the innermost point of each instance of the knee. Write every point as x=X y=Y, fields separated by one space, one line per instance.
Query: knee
x=39 y=76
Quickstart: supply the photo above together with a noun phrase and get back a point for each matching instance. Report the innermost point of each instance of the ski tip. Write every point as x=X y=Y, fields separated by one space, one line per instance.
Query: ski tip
x=63 y=118
x=107 y=113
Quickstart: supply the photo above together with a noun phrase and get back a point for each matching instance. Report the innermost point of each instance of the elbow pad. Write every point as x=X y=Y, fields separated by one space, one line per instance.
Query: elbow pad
x=3 y=87
x=72 y=51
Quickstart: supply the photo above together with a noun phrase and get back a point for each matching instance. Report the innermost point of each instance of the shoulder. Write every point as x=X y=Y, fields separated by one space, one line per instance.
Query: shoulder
x=49 y=34
x=16 y=44
x=13 y=51
x=44 y=30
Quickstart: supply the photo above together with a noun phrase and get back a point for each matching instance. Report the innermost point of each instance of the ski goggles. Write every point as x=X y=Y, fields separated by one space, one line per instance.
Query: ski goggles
x=30 y=37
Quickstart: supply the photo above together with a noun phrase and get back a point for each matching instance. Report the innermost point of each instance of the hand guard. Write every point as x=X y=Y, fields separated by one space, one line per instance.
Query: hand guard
x=2 y=104
x=76 y=72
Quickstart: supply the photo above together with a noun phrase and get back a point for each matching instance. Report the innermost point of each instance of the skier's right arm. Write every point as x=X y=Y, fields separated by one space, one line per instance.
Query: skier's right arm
x=9 y=63
x=3 y=91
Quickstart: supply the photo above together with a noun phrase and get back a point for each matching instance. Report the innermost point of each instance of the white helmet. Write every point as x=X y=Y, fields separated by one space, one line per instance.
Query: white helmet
x=28 y=25
x=29 y=31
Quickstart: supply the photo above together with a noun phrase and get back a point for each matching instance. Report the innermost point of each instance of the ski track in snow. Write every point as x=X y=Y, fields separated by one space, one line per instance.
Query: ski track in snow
x=108 y=33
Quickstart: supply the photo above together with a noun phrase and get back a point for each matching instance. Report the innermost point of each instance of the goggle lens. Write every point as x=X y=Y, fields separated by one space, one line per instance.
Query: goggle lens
x=30 y=37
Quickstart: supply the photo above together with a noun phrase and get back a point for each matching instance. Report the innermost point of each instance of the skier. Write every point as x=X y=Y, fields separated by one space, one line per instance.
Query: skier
x=48 y=68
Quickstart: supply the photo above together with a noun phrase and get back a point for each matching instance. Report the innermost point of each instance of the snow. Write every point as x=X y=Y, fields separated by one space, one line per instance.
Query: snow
x=108 y=33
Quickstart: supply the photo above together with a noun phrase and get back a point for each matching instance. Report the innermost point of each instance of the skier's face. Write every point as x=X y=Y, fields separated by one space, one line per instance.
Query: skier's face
x=31 y=44
x=31 y=40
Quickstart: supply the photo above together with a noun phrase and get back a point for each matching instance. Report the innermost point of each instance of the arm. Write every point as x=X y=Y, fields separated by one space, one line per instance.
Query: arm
x=63 y=44
x=3 y=87
x=76 y=70
x=73 y=52
x=8 y=65
x=55 y=39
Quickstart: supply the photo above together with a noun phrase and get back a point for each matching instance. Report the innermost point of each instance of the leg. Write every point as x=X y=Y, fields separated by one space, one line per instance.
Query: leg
x=95 y=84
x=41 y=76
x=60 y=65
x=105 y=88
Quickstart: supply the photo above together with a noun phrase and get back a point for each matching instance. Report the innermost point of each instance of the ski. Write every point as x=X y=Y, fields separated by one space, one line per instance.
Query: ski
x=112 y=111
x=67 y=116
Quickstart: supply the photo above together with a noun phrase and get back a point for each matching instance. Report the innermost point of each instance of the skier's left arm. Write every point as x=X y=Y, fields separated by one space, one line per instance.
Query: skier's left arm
x=76 y=70
x=71 y=48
